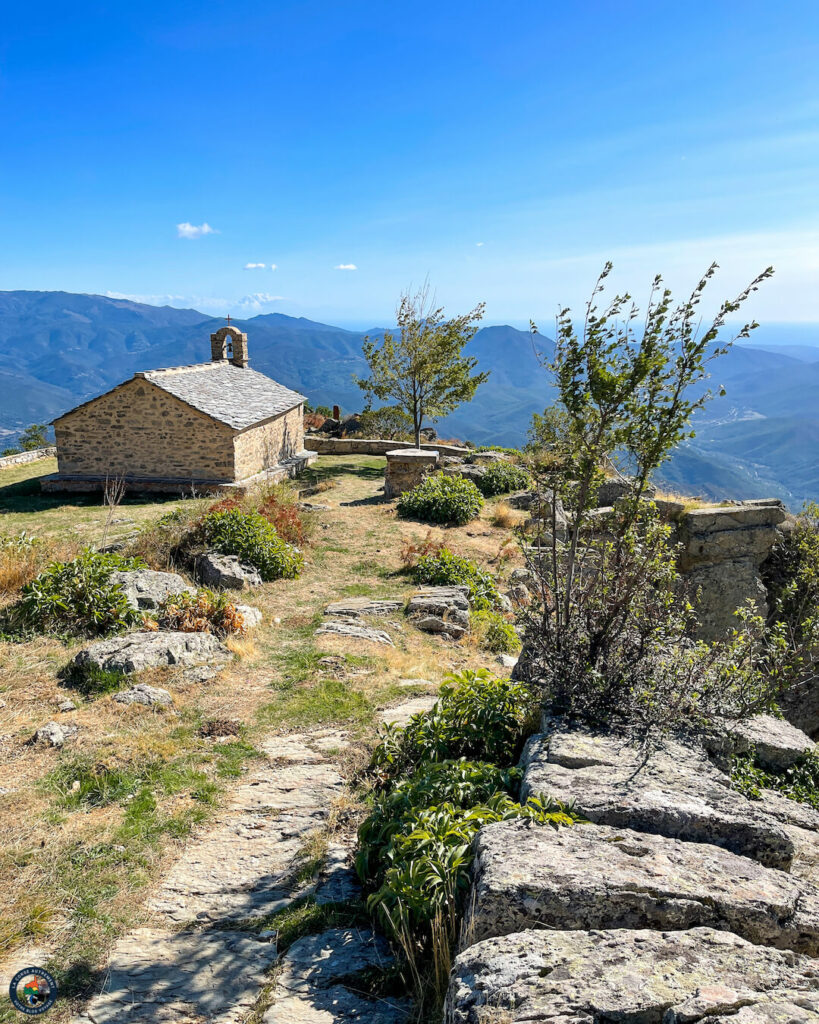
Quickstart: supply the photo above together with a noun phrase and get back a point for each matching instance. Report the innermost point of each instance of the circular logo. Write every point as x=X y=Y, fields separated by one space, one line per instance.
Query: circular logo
x=33 y=990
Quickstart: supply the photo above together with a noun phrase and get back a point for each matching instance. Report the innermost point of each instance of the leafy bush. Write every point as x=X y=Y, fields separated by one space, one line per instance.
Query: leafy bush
x=477 y=716
x=496 y=448
x=800 y=782
x=445 y=569
x=202 y=612
x=438 y=781
x=424 y=867
x=442 y=499
x=501 y=478
x=78 y=597
x=494 y=633
x=253 y=539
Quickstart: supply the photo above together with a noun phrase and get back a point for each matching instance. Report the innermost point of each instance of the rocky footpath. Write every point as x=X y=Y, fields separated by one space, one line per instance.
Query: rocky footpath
x=680 y=899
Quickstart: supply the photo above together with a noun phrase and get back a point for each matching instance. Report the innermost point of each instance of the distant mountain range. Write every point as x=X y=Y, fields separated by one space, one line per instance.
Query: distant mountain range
x=58 y=349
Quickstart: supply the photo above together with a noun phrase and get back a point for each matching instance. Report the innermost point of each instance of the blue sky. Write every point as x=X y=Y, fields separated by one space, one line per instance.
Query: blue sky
x=503 y=150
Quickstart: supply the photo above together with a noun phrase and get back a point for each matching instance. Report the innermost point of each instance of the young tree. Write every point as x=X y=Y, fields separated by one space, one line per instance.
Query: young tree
x=34 y=436
x=609 y=636
x=423 y=368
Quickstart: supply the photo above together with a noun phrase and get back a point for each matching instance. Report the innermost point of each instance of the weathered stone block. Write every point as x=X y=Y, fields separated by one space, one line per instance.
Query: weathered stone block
x=590 y=877
x=640 y=977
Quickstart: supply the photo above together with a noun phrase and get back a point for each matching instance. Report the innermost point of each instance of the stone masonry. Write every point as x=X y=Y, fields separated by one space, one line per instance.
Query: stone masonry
x=406 y=468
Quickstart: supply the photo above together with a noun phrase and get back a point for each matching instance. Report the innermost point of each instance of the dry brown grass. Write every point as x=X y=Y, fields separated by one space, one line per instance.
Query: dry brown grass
x=277 y=683
x=505 y=517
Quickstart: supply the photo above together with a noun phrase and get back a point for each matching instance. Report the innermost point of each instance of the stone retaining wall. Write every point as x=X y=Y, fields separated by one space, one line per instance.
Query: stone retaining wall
x=680 y=900
x=23 y=457
x=374 y=446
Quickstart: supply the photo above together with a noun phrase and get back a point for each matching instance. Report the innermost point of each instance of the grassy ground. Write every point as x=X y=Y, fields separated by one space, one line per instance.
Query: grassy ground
x=87 y=829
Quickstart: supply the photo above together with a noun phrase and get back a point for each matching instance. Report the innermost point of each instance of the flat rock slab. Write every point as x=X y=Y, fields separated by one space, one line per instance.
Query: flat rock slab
x=590 y=876
x=402 y=713
x=247 y=864
x=317 y=982
x=146 y=588
x=155 y=977
x=135 y=652
x=642 y=977
x=251 y=616
x=355 y=607
x=675 y=791
x=439 y=601
x=344 y=628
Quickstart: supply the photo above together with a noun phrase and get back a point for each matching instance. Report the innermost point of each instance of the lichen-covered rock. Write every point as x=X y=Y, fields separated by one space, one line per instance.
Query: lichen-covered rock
x=251 y=616
x=443 y=610
x=776 y=744
x=317 y=981
x=578 y=977
x=614 y=488
x=54 y=734
x=402 y=713
x=345 y=628
x=136 y=652
x=146 y=588
x=673 y=791
x=356 y=607
x=226 y=572
x=718 y=590
x=150 y=696
x=590 y=876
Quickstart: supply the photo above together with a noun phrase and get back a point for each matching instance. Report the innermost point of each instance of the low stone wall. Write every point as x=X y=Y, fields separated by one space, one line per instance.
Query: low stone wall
x=23 y=457
x=374 y=446
x=680 y=900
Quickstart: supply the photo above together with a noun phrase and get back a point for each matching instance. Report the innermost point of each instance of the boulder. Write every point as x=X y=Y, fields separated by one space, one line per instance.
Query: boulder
x=54 y=734
x=401 y=714
x=146 y=588
x=443 y=610
x=251 y=616
x=505 y=604
x=507 y=660
x=519 y=596
x=345 y=628
x=150 y=696
x=775 y=743
x=675 y=791
x=356 y=607
x=467 y=470
x=590 y=876
x=614 y=488
x=639 y=977
x=67 y=705
x=226 y=572
x=138 y=651
x=800 y=704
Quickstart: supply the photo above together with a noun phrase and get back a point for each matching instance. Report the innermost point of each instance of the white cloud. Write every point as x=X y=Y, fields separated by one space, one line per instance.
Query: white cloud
x=346 y=266
x=186 y=230
x=255 y=266
x=273 y=266
x=478 y=245
x=256 y=302
x=148 y=300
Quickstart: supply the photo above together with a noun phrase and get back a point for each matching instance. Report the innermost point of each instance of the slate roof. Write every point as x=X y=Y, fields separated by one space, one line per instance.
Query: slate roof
x=237 y=396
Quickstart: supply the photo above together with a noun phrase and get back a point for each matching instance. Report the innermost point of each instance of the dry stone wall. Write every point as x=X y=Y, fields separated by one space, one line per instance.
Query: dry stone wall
x=140 y=431
x=374 y=446
x=679 y=901
x=24 y=457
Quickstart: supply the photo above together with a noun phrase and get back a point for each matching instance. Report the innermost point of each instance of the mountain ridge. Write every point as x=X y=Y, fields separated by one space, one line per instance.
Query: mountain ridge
x=60 y=348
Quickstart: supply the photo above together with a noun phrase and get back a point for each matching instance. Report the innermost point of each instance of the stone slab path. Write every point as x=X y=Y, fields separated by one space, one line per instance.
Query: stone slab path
x=197 y=964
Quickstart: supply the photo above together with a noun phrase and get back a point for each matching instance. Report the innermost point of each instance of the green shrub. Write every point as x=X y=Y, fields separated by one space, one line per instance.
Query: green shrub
x=253 y=539
x=77 y=597
x=501 y=478
x=494 y=633
x=438 y=781
x=515 y=452
x=800 y=782
x=477 y=716
x=427 y=861
x=445 y=569
x=442 y=499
